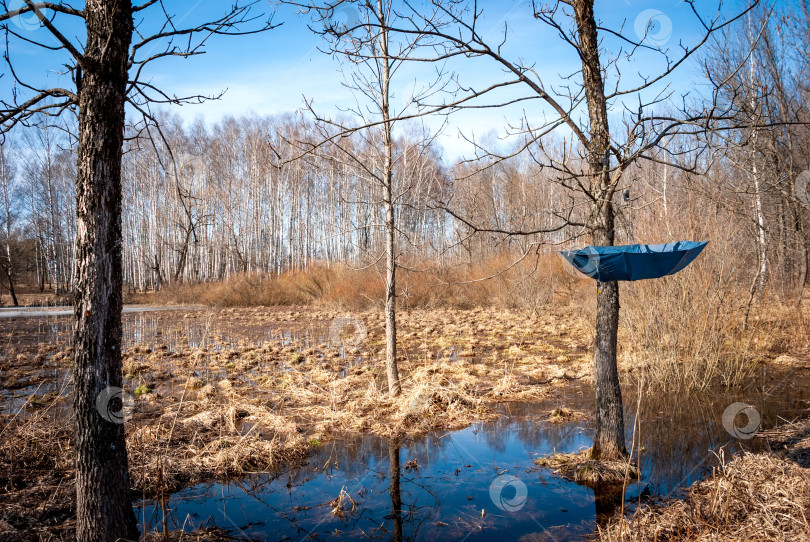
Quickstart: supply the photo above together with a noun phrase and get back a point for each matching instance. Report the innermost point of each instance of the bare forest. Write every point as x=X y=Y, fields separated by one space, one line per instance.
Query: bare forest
x=326 y=323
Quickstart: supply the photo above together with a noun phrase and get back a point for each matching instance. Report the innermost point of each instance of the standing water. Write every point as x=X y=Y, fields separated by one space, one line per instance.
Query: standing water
x=478 y=483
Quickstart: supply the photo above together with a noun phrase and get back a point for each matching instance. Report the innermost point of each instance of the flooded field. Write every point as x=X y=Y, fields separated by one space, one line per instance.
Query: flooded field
x=274 y=424
x=477 y=483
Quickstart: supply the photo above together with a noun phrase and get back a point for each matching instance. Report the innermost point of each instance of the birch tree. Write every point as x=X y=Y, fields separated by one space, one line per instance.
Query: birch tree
x=9 y=192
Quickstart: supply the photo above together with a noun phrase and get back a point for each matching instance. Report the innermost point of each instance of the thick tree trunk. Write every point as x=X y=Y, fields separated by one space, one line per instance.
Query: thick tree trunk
x=103 y=506
x=608 y=440
x=609 y=436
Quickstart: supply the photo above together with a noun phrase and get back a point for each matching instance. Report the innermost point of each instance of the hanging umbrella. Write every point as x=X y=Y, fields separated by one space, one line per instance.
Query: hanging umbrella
x=634 y=262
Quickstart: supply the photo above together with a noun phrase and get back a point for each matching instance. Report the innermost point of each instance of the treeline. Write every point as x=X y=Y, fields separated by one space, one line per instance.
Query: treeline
x=264 y=195
x=239 y=197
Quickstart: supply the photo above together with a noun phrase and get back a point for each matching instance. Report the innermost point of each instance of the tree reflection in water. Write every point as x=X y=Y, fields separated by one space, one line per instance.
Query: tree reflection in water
x=396 y=495
x=444 y=496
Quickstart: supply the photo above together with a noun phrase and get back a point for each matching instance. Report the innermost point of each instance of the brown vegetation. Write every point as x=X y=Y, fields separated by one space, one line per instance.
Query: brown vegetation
x=754 y=497
x=680 y=337
x=226 y=391
x=529 y=285
x=580 y=468
x=264 y=389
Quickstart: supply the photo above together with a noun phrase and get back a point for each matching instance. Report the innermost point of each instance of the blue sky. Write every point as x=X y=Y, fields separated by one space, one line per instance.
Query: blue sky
x=270 y=73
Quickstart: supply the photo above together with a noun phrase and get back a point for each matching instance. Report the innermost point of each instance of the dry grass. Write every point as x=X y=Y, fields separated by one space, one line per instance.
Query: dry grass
x=205 y=534
x=243 y=399
x=566 y=415
x=181 y=448
x=580 y=468
x=531 y=284
x=690 y=331
x=754 y=497
x=792 y=440
x=37 y=495
x=701 y=327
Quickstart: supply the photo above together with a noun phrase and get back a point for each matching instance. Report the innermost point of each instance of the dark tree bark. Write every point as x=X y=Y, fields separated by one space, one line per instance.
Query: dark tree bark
x=609 y=436
x=10 y=279
x=103 y=506
x=608 y=499
x=396 y=493
x=5 y=179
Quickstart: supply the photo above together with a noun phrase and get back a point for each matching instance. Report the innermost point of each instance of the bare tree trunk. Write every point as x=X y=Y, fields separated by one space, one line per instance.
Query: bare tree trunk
x=103 y=506
x=390 y=299
x=608 y=441
x=40 y=272
x=390 y=230
x=804 y=254
x=10 y=273
x=762 y=272
x=5 y=178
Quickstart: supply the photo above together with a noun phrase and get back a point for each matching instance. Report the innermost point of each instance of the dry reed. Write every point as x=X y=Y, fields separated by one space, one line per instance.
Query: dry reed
x=755 y=497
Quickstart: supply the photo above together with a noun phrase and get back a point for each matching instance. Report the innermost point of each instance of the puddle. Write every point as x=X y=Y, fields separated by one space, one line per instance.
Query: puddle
x=441 y=496
x=486 y=467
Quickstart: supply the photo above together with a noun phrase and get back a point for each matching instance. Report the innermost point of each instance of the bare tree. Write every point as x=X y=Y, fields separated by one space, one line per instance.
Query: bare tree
x=766 y=140
x=594 y=166
x=106 y=73
x=365 y=42
x=8 y=214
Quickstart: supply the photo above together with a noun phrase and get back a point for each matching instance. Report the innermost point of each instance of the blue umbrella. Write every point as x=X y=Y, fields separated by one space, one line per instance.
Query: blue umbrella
x=634 y=262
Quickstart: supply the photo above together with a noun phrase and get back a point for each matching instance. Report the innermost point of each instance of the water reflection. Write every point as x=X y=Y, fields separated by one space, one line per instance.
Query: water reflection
x=437 y=486
x=431 y=487
x=394 y=491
